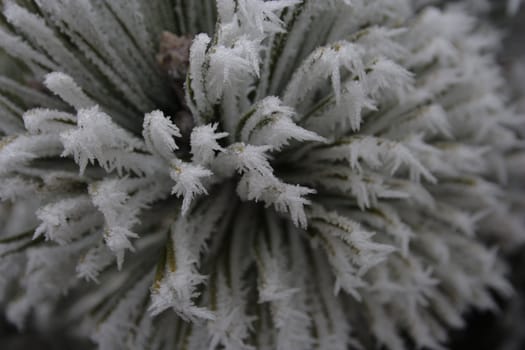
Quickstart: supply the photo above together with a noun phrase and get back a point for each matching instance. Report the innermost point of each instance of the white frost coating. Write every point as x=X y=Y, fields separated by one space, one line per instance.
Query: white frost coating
x=284 y=197
x=121 y=201
x=17 y=151
x=204 y=143
x=41 y=120
x=96 y=138
x=94 y=261
x=271 y=124
x=375 y=153
x=323 y=63
x=64 y=86
x=333 y=174
x=187 y=239
x=199 y=101
x=15 y=46
x=256 y=17
x=231 y=65
x=65 y=220
x=188 y=181
x=241 y=157
x=159 y=132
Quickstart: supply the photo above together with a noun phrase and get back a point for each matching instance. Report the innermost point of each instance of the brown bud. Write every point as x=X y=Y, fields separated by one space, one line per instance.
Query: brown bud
x=174 y=54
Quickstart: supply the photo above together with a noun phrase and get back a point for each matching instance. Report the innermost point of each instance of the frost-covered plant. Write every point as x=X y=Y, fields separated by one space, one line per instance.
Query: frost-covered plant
x=310 y=174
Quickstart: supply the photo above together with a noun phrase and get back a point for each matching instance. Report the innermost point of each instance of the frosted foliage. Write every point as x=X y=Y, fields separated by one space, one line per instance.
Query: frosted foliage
x=158 y=133
x=250 y=174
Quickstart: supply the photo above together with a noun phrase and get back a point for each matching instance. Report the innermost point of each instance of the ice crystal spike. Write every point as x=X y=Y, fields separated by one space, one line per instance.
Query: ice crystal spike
x=251 y=174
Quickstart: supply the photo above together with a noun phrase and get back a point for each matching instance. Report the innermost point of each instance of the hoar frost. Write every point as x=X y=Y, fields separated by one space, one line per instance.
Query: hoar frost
x=249 y=174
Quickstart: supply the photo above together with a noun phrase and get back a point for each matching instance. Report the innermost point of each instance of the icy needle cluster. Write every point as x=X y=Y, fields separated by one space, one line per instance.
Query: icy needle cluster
x=249 y=174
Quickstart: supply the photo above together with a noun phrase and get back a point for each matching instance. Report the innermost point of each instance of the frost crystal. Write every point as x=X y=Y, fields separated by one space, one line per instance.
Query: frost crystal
x=285 y=174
